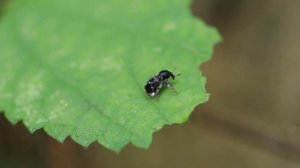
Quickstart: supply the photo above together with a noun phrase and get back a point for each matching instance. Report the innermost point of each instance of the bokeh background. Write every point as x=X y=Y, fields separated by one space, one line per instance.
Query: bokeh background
x=251 y=121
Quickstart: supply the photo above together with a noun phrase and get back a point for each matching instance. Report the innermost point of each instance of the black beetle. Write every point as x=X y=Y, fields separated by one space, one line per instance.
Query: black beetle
x=154 y=84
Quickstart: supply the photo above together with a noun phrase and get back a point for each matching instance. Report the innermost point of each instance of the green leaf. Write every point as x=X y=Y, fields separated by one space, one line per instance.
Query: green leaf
x=79 y=68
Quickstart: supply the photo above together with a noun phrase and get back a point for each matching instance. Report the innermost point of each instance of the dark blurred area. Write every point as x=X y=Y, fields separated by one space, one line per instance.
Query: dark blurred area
x=252 y=119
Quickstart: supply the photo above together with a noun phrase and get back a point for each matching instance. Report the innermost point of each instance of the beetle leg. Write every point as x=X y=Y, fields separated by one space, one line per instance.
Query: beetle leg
x=156 y=97
x=166 y=83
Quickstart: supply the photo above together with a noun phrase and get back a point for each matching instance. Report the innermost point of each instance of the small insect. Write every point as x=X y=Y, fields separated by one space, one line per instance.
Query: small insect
x=154 y=84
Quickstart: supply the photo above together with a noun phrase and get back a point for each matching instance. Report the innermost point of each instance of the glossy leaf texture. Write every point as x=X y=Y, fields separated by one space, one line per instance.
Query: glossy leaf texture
x=78 y=68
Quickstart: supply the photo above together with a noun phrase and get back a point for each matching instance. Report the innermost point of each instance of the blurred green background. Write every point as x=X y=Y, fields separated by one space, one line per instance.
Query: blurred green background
x=251 y=120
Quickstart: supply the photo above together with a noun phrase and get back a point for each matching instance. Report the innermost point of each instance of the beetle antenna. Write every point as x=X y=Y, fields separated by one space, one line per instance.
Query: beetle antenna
x=174 y=71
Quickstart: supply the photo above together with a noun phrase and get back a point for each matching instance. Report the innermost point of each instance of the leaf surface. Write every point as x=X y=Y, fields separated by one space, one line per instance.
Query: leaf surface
x=78 y=68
